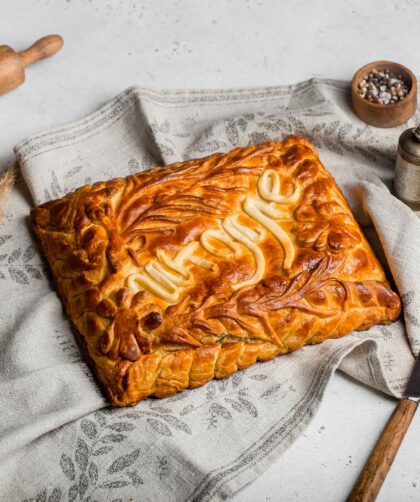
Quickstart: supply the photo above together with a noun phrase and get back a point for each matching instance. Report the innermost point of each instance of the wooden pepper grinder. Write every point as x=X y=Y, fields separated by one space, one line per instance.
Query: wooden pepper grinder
x=12 y=64
x=407 y=169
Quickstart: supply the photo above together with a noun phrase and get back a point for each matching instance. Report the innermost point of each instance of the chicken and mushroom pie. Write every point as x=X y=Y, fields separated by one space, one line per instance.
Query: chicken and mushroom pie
x=178 y=275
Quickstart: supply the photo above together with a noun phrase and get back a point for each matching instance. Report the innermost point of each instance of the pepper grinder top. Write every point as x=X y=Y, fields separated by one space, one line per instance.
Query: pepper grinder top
x=407 y=170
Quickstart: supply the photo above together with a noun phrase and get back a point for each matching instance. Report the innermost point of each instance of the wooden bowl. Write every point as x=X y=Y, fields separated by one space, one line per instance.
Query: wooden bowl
x=385 y=115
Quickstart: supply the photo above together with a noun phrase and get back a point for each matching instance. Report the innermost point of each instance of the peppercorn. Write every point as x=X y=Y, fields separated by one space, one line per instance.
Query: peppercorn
x=383 y=87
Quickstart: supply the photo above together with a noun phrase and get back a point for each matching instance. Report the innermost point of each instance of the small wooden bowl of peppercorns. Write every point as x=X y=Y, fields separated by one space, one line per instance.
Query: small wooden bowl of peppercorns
x=384 y=94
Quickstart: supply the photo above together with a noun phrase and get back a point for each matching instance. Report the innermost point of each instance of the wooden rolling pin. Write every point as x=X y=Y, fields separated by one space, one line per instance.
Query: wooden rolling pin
x=12 y=64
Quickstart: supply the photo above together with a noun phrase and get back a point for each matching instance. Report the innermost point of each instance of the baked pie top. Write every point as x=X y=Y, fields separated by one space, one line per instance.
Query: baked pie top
x=181 y=274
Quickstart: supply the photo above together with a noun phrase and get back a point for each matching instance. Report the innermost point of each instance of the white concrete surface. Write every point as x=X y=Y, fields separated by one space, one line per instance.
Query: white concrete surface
x=111 y=45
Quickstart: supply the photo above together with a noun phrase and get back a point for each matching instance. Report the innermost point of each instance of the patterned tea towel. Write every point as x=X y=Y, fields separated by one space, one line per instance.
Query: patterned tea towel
x=58 y=439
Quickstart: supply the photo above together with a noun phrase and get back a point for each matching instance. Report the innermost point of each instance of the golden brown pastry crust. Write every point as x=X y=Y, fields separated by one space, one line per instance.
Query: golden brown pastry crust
x=190 y=272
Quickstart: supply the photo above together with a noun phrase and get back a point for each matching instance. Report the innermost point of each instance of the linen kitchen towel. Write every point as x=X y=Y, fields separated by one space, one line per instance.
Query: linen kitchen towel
x=58 y=438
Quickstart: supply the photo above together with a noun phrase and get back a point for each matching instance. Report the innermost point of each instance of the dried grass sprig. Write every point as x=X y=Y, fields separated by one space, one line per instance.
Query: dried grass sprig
x=6 y=184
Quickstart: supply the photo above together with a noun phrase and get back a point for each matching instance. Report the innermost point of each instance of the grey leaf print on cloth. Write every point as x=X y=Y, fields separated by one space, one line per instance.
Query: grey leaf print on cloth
x=23 y=267
x=92 y=469
x=54 y=495
x=409 y=310
x=89 y=480
x=203 y=444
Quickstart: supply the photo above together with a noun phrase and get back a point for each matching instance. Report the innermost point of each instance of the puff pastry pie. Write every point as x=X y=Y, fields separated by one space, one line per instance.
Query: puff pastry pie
x=182 y=274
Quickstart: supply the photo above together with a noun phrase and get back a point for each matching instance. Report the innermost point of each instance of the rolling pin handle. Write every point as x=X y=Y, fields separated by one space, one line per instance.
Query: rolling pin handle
x=43 y=48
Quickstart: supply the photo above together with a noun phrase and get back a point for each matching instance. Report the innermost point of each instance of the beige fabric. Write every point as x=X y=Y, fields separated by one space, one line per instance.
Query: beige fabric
x=57 y=439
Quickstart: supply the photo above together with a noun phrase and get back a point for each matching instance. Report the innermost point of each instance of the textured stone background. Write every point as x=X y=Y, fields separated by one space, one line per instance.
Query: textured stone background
x=111 y=45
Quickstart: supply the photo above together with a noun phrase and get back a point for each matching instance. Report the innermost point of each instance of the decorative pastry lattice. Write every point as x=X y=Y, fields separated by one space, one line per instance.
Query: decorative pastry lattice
x=182 y=274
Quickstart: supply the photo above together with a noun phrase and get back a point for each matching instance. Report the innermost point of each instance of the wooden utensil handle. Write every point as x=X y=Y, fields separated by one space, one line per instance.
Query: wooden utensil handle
x=43 y=48
x=382 y=456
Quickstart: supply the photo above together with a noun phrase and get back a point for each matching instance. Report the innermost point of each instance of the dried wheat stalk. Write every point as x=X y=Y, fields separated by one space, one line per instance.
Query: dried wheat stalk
x=6 y=184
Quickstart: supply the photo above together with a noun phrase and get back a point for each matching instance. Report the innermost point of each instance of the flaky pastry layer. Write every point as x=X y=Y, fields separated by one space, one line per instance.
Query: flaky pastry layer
x=178 y=275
